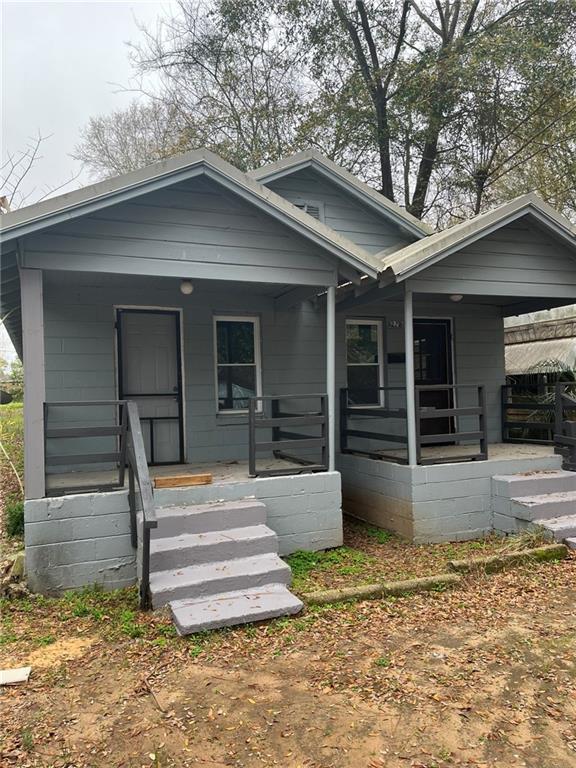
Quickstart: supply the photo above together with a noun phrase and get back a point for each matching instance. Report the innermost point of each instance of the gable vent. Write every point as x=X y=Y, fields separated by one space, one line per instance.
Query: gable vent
x=312 y=209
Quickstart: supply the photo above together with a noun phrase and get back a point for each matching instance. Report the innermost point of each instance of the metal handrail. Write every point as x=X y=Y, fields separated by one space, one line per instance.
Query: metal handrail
x=138 y=472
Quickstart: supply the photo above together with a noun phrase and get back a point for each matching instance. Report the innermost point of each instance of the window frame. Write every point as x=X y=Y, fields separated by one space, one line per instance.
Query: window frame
x=380 y=364
x=255 y=320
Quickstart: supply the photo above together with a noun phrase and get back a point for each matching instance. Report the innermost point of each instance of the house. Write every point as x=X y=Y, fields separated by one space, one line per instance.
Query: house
x=289 y=334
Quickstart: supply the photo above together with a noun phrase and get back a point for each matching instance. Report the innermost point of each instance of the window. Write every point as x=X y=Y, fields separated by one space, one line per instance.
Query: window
x=238 y=367
x=364 y=360
x=311 y=207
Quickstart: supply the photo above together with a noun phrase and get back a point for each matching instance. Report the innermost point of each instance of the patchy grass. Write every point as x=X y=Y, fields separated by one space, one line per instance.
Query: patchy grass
x=11 y=469
x=343 y=561
x=372 y=554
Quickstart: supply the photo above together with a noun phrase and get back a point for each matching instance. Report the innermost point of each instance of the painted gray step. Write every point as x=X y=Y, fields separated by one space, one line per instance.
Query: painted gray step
x=560 y=527
x=534 y=483
x=570 y=542
x=545 y=506
x=202 y=518
x=212 y=578
x=196 y=548
x=230 y=608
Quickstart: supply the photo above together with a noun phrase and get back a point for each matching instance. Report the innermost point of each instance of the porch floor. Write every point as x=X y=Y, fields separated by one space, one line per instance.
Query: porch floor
x=496 y=451
x=222 y=472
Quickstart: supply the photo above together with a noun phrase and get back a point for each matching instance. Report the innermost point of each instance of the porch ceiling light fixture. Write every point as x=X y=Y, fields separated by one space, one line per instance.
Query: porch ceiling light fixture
x=186 y=287
x=456 y=297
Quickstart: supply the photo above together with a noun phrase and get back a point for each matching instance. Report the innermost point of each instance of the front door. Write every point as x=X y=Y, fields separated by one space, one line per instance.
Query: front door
x=433 y=366
x=149 y=372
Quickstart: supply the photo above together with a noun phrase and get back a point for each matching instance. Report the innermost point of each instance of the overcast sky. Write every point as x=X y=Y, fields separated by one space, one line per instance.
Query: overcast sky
x=61 y=63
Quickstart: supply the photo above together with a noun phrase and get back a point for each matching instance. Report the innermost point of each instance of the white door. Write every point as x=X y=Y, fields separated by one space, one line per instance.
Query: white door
x=149 y=372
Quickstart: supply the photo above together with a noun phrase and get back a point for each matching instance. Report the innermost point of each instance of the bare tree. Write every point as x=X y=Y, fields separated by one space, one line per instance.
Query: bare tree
x=131 y=138
x=14 y=176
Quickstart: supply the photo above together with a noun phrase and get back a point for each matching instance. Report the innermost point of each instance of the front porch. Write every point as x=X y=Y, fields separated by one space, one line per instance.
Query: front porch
x=440 y=502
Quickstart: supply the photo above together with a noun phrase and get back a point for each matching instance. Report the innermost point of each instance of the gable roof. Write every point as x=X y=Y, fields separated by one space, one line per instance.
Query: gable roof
x=310 y=158
x=122 y=188
x=412 y=259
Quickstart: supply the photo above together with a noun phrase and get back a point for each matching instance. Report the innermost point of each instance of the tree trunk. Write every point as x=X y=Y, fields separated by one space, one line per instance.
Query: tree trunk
x=383 y=141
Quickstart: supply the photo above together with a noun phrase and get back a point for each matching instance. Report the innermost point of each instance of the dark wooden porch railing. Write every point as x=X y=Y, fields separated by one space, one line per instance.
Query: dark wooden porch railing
x=565 y=424
x=456 y=435
x=528 y=413
x=375 y=414
x=129 y=452
x=283 y=441
x=375 y=417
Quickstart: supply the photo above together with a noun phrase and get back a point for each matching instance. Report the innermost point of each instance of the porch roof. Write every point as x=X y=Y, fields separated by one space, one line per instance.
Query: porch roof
x=414 y=258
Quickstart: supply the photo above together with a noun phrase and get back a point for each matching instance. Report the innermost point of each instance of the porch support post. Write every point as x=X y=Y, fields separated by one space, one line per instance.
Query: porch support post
x=409 y=354
x=32 y=303
x=331 y=373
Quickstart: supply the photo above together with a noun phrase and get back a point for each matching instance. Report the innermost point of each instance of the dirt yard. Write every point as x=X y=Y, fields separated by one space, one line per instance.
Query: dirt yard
x=481 y=676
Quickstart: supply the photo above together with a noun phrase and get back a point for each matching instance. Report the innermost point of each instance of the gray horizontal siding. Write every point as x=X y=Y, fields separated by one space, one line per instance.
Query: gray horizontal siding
x=518 y=260
x=195 y=229
x=80 y=352
x=342 y=212
x=478 y=358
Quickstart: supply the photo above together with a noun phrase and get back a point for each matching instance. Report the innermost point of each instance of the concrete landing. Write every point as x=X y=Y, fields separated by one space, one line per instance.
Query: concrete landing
x=233 y=608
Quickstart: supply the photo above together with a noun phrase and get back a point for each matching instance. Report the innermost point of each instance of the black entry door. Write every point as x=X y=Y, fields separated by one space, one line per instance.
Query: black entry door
x=149 y=372
x=433 y=366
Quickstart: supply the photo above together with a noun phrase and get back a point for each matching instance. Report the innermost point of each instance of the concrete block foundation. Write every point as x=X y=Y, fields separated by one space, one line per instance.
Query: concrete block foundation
x=84 y=539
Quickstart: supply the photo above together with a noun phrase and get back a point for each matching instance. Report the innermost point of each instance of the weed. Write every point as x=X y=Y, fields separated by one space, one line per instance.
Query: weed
x=27 y=739
x=382 y=661
x=195 y=650
x=46 y=640
x=14 y=517
x=129 y=626
x=380 y=534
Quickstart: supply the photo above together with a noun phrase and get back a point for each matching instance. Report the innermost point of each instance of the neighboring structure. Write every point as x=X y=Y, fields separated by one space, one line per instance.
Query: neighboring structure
x=253 y=318
x=541 y=345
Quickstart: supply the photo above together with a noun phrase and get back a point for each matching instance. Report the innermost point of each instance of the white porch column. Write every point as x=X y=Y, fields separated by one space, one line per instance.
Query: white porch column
x=331 y=373
x=409 y=352
x=32 y=303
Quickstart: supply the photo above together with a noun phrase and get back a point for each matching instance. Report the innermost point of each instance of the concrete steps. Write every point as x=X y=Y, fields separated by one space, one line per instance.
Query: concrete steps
x=217 y=565
x=544 y=506
x=559 y=528
x=540 y=499
x=179 y=551
x=230 y=608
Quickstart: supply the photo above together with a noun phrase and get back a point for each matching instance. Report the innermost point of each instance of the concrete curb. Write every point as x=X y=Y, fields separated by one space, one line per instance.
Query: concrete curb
x=496 y=563
x=490 y=564
x=384 y=589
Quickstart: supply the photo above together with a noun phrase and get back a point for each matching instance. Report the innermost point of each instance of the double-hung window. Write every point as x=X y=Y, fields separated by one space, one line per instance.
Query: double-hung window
x=364 y=362
x=238 y=361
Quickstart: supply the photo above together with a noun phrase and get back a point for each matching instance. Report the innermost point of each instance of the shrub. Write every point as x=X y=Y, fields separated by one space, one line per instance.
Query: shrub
x=14 y=516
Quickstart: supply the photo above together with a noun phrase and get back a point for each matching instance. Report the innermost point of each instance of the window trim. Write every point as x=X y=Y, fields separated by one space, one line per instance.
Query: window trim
x=380 y=345
x=255 y=320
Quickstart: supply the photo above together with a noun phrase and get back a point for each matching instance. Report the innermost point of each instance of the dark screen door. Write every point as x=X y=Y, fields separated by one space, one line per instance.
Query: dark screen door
x=149 y=372
x=433 y=366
